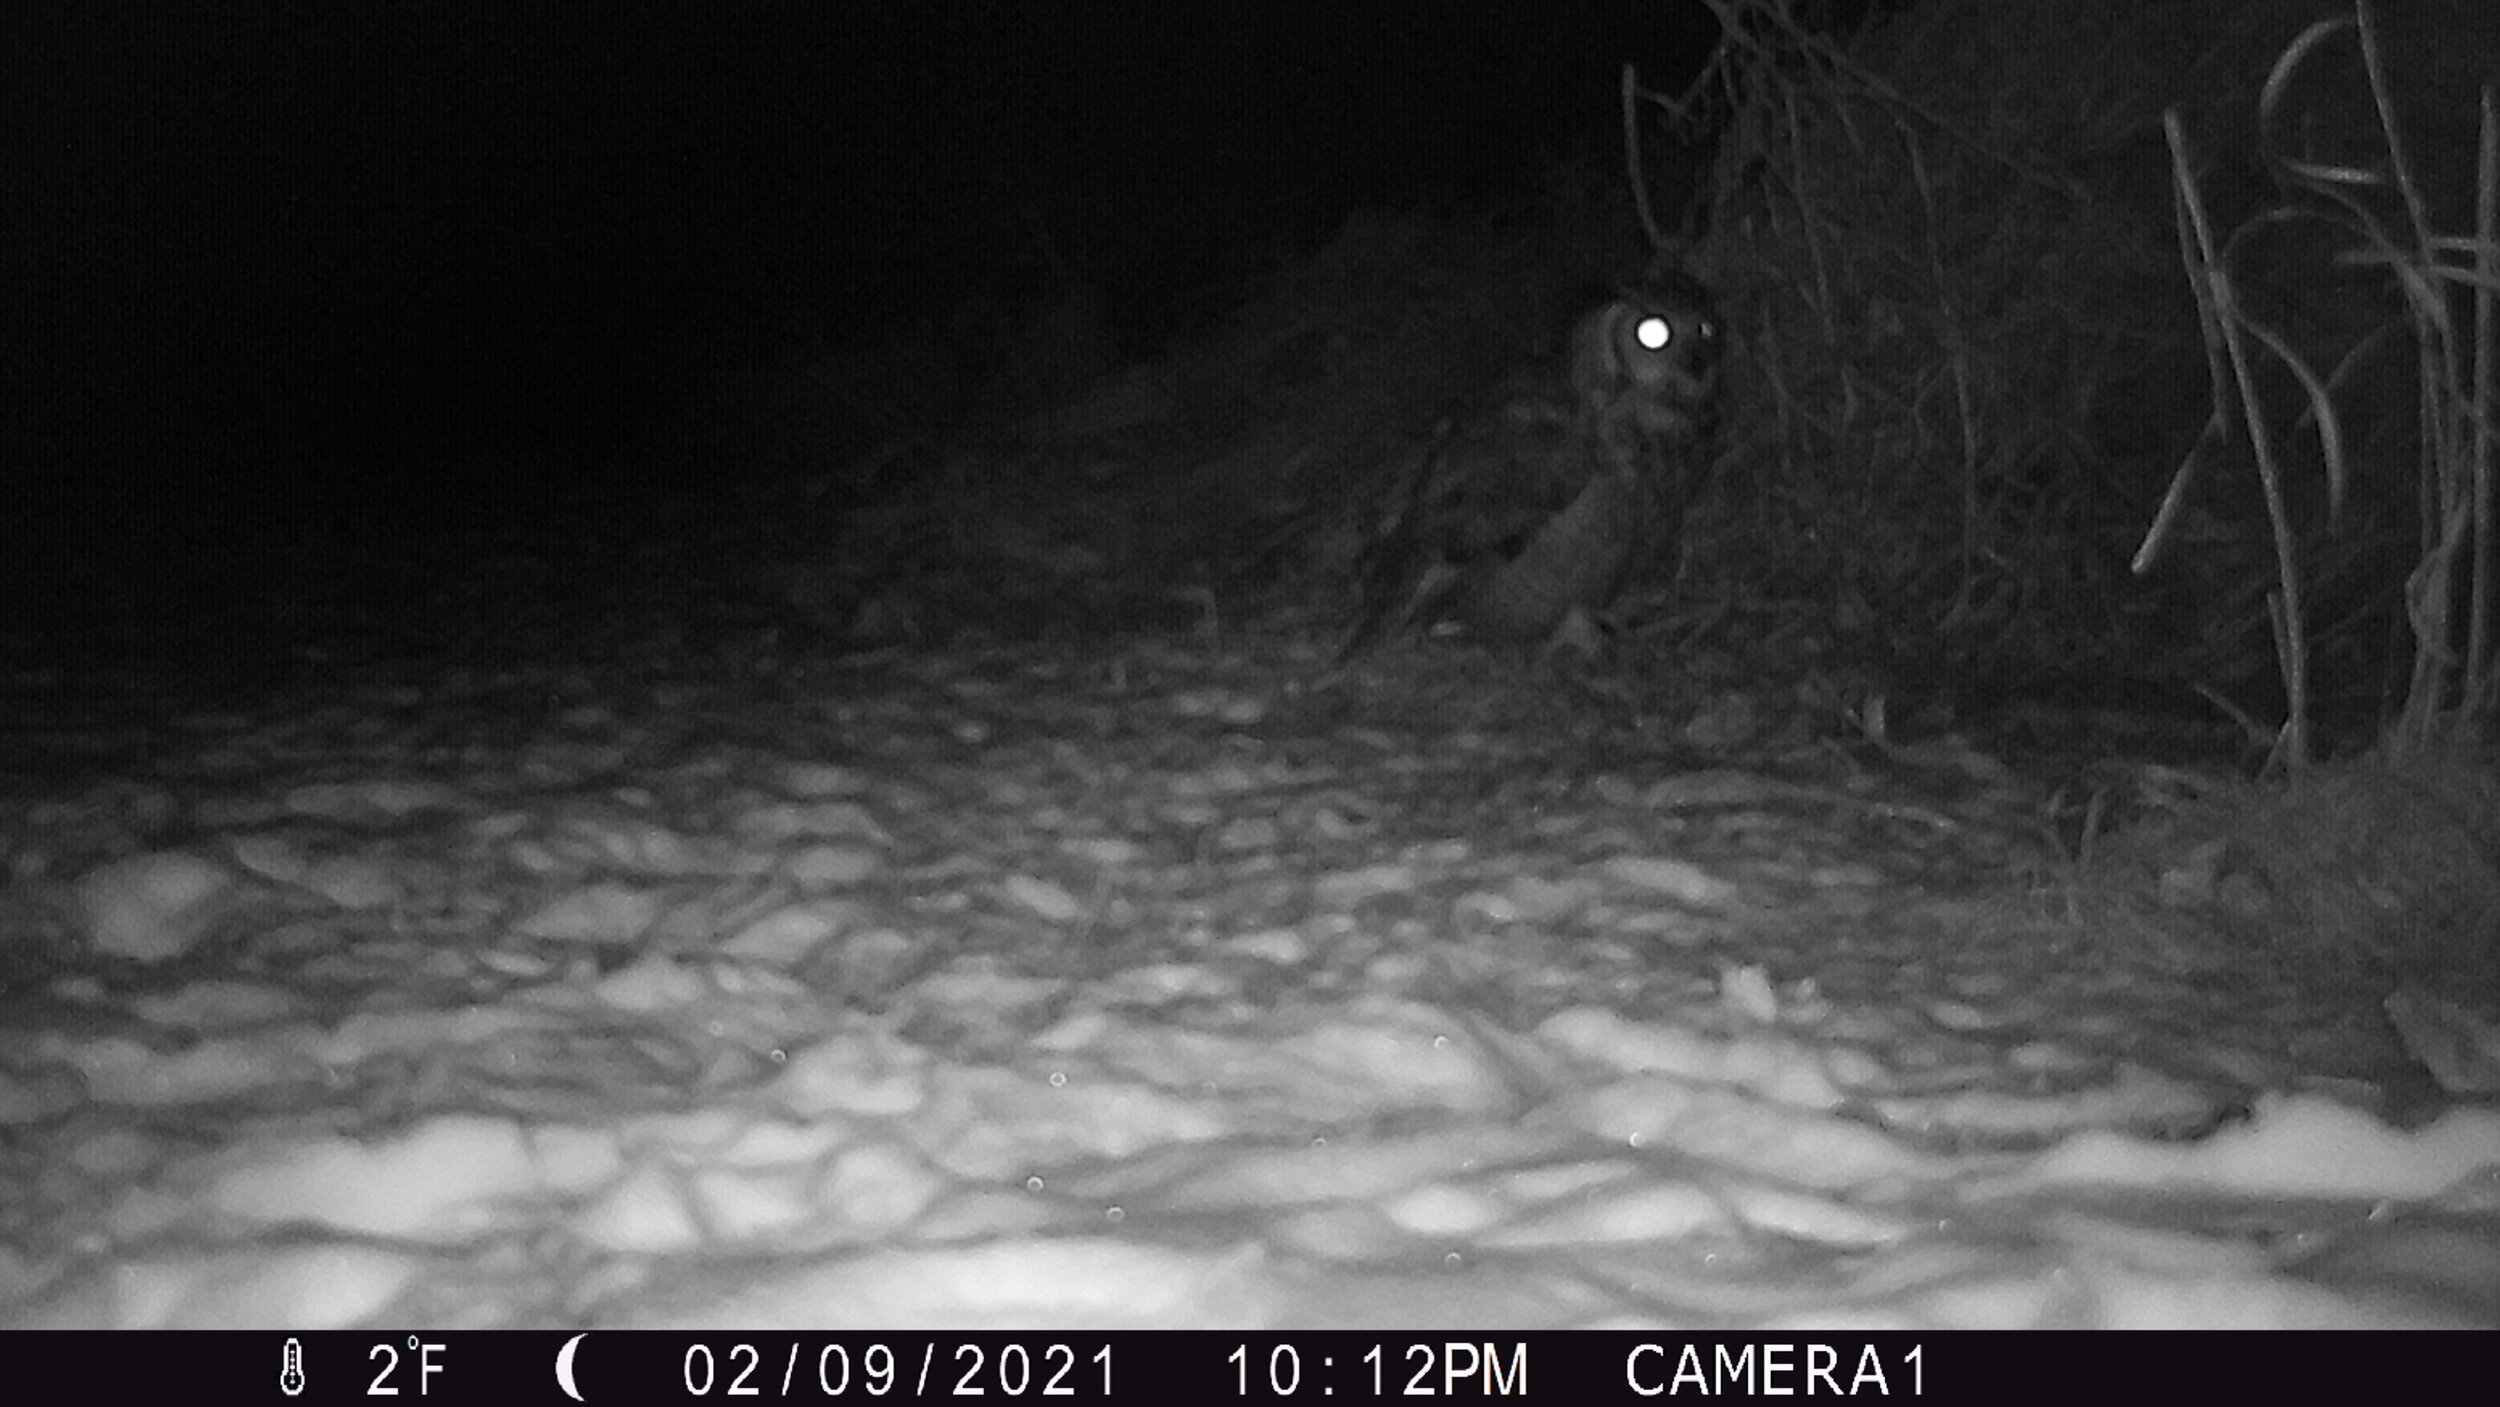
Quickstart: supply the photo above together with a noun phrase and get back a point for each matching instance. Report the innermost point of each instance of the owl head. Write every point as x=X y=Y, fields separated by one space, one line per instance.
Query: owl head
x=1646 y=361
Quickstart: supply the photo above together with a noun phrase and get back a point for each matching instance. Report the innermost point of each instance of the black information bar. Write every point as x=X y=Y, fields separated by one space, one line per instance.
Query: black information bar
x=1203 y=1366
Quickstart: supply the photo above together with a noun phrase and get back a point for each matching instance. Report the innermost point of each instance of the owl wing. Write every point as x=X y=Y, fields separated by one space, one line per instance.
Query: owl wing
x=1502 y=530
x=1577 y=557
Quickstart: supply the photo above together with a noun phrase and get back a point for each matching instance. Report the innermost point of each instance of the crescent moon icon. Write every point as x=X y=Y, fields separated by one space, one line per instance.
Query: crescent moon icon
x=564 y=1366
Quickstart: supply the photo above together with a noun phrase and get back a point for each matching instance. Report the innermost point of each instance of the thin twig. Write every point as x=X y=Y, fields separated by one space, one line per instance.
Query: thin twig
x=2291 y=642
x=1634 y=172
x=2482 y=673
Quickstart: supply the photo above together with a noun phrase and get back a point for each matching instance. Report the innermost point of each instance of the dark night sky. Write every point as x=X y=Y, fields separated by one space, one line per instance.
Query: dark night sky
x=431 y=225
x=313 y=282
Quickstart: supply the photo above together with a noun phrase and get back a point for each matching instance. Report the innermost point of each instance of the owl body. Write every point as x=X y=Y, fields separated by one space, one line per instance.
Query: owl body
x=1528 y=516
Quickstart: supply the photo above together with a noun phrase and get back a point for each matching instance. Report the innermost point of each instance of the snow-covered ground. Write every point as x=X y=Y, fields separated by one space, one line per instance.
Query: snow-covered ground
x=1158 y=985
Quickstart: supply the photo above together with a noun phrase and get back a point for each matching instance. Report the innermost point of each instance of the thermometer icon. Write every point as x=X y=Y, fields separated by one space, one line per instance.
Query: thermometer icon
x=291 y=1376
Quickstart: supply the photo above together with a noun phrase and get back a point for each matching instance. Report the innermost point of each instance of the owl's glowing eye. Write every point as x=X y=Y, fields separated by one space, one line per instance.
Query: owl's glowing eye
x=1653 y=332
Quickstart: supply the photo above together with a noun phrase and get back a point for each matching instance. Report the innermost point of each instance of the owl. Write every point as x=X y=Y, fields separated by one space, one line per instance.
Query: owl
x=1524 y=520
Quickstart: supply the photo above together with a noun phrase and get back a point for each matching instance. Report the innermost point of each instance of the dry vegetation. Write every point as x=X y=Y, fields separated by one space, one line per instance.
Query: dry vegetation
x=1953 y=243
x=2138 y=352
